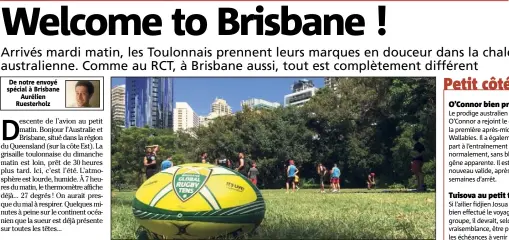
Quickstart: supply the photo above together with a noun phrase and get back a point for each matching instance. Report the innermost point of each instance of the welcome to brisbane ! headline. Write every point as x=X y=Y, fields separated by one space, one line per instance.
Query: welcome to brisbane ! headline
x=230 y=23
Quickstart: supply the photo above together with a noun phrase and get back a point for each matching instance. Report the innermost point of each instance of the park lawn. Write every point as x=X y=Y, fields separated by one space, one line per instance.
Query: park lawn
x=307 y=214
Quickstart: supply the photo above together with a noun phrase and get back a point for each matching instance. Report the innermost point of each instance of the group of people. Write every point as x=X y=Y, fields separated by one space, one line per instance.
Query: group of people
x=243 y=166
x=335 y=180
x=248 y=168
x=334 y=173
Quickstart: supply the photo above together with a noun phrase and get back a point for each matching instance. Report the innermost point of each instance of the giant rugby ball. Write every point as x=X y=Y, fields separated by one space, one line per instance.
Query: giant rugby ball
x=198 y=201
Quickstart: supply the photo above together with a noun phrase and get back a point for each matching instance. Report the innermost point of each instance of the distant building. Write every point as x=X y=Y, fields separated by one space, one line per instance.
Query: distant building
x=332 y=83
x=218 y=108
x=184 y=117
x=203 y=121
x=302 y=91
x=255 y=103
x=302 y=85
x=149 y=102
x=206 y=120
x=118 y=104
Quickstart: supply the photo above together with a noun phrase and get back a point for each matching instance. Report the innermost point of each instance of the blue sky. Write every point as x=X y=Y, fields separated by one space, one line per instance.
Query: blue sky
x=201 y=92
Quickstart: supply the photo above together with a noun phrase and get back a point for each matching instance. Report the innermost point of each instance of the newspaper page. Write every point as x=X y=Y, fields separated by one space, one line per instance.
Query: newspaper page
x=254 y=120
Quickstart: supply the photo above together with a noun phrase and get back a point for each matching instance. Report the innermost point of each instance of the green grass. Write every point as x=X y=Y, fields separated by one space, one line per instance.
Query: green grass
x=307 y=214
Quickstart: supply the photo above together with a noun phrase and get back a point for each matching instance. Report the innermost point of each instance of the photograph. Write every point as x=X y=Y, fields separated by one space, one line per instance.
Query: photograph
x=273 y=157
x=82 y=94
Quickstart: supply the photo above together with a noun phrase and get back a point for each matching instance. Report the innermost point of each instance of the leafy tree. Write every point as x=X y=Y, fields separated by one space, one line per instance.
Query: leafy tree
x=364 y=125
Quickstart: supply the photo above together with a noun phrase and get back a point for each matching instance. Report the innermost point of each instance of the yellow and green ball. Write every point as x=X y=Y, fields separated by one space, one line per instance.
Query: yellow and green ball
x=198 y=201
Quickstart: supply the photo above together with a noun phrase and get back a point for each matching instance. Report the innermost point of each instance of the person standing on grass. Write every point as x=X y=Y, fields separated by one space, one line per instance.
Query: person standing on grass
x=322 y=171
x=291 y=171
x=253 y=173
x=149 y=161
x=417 y=163
x=336 y=173
x=204 y=157
x=332 y=186
x=243 y=165
x=371 y=181
x=339 y=181
x=166 y=164
x=297 y=182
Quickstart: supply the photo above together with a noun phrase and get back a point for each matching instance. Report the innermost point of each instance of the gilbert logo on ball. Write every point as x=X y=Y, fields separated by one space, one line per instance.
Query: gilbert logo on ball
x=198 y=201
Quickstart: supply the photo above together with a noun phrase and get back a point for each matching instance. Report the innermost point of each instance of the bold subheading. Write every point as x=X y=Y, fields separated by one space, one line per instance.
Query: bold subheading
x=471 y=83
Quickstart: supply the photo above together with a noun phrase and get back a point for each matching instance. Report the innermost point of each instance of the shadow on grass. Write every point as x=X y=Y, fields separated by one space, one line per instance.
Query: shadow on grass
x=296 y=231
x=312 y=230
x=400 y=223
